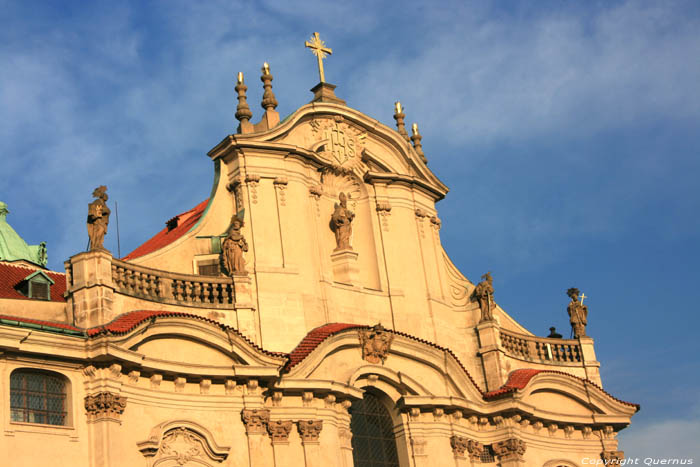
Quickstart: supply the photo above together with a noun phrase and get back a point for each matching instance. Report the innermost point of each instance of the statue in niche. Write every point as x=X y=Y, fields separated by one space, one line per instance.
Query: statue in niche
x=233 y=247
x=483 y=292
x=341 y=223
x=578 y=313
x=98 y=218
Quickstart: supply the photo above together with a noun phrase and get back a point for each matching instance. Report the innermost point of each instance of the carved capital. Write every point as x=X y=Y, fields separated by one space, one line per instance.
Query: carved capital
x=375 y=343
x=279 y=430
x=461 y=444
x=310 y=430
x=510 y=449
x=255 y=420
x=612 y=457
x=384 y=207
x=418 y=445
x=104 y=405
x=316 y=191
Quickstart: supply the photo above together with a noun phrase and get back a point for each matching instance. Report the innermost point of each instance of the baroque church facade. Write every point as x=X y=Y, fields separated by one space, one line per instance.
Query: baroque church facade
x=305 y=314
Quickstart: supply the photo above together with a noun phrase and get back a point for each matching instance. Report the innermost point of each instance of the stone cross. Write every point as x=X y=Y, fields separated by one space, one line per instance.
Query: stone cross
x=318 y=47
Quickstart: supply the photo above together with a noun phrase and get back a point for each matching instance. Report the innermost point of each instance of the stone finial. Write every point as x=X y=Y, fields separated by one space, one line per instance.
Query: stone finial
x=399 y=116
x=269 y=102
x=243 y=113
x=417 y=144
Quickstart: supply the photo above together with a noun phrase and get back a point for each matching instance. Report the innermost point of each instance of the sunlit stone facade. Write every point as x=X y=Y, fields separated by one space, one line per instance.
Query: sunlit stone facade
x=346 y=332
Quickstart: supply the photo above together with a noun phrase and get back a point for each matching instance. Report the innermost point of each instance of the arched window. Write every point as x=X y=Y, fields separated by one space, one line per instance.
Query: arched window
x=38 y=397
x=373 y=442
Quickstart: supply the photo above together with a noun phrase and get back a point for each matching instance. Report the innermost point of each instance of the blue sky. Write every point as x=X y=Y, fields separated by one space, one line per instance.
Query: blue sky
x=568 y=133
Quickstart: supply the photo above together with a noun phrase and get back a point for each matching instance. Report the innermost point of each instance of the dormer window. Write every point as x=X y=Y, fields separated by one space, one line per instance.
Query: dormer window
x=36 y=285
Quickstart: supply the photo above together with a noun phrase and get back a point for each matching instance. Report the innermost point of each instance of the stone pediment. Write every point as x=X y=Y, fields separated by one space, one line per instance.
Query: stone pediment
x=343 y=140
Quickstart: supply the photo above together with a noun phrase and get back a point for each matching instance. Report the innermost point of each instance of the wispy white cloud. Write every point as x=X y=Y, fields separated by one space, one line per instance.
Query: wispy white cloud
x=669 y=439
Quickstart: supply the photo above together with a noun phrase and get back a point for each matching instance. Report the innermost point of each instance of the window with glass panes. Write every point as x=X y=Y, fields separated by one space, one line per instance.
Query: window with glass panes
x=373 y=442
x=37 y=397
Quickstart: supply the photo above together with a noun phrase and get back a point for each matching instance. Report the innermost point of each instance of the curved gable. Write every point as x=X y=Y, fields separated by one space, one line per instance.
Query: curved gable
x=185 y=343
x=412 y=366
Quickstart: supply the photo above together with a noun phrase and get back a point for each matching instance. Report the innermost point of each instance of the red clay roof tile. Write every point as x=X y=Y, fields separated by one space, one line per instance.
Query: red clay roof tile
x=519 y=379
x=12 y=274
x=185 y=222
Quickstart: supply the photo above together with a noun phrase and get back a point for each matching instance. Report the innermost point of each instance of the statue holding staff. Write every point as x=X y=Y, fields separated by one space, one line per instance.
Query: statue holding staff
x=578 y=313
x=98 y=218
x=341 y=223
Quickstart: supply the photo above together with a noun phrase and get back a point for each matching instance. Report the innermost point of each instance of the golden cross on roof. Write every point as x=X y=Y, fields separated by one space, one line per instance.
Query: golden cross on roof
x=318 y=47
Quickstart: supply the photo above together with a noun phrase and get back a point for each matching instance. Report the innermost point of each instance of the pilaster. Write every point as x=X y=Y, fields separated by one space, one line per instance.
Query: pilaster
x=310 y=430
x=279 y=435
x=489 y=345
x=256 y=424
x=104 y=412
x=590 y=364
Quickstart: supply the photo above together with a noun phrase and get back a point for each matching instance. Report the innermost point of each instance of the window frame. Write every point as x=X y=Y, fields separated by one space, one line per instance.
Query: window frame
x=68 y=406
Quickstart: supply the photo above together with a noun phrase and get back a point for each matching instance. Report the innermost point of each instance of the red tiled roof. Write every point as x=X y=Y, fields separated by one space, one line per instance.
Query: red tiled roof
x=125 y=323
x=11 y=275
x=519 y=379
x=313 y=339
x=316 y=336
x=6 y=319
x=185 y=222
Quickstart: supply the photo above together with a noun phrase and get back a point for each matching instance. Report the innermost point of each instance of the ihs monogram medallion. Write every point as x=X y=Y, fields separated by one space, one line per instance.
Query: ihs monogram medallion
x=342 y=144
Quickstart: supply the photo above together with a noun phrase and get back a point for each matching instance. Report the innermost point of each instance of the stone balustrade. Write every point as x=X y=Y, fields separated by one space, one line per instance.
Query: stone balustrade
x=168 y=287
x=540 y=349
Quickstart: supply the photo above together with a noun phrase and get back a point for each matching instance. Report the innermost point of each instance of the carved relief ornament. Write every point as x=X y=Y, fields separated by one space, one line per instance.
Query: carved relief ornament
x=190 y=444
x=338 y=142
x=104 y=405
x=375 y=343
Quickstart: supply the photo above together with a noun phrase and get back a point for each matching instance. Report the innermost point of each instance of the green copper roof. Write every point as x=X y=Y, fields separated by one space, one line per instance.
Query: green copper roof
x=13 y=247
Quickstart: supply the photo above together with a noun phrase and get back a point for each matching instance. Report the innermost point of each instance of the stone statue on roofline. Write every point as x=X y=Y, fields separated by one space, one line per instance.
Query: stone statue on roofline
x=578 y=313
x=341 y=223
x=483 y=293
x=233 y=247
x=98 y=218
